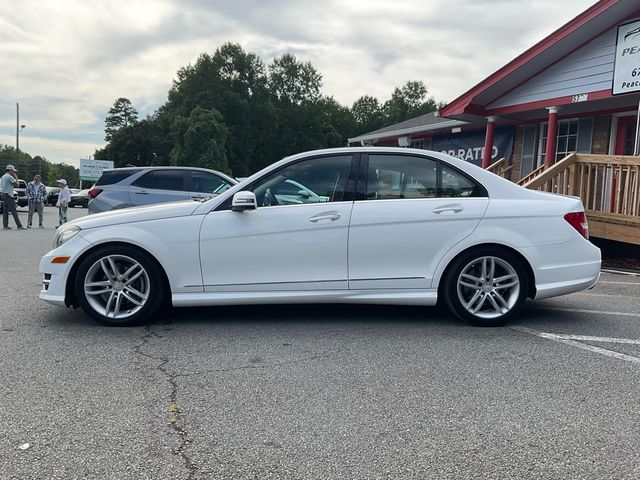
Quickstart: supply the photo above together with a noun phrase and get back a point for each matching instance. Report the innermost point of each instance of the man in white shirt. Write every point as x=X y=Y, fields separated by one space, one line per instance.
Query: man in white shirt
x=64 y=197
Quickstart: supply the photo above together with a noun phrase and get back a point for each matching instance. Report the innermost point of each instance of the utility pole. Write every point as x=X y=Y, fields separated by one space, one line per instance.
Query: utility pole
x=17 y=132
x=19 y=128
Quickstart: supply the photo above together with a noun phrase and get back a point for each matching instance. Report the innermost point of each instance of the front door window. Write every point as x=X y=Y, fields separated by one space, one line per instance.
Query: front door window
x=319 y=180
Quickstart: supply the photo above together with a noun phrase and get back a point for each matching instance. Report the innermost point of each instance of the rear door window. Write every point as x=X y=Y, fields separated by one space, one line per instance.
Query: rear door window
x=114 y=176
x=455 y=184
x=399 y=176
x=395 y=177
x=162 y=180
x=159 y=186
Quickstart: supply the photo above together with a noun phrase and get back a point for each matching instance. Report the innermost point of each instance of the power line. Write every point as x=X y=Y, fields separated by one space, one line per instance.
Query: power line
x=42 y=138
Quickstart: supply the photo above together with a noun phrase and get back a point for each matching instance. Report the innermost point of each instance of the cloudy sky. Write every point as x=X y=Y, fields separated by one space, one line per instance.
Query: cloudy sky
x=67 y=61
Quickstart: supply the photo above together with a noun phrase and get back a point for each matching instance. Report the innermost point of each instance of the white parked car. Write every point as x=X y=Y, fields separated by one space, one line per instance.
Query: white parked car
x=390 y=226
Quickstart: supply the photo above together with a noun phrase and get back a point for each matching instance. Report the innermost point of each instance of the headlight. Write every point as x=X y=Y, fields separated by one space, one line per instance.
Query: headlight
x=64 y=234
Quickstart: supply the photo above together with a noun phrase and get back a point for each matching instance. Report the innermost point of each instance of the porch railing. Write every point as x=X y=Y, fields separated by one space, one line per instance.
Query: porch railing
x=535 y=173
x=501 y=168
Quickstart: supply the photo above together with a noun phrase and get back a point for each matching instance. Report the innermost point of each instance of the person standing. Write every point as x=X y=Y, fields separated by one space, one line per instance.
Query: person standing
x=7 y=183
x=64 y=197
x=36 y=193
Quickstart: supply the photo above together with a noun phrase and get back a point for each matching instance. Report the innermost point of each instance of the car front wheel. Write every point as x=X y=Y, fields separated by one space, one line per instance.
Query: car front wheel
x=119 y=286
x=486 y=287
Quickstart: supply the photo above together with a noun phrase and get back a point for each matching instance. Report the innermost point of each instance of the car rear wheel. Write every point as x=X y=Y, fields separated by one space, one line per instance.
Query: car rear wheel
x=486 y=287
x=119 y=286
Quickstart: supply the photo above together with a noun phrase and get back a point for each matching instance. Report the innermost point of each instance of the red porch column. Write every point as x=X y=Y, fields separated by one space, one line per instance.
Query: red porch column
x=488 y=142
x=552 y=133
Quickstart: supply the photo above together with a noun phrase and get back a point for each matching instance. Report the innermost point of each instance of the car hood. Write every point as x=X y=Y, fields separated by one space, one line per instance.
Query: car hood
x=138 y=214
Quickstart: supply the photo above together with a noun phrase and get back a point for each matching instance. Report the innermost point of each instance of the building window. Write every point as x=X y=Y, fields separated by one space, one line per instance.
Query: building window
x=422 y=144
x=566 y=140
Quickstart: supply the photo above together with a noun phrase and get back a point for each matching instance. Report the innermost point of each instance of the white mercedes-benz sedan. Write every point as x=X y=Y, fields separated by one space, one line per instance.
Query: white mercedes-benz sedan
x=353 y=225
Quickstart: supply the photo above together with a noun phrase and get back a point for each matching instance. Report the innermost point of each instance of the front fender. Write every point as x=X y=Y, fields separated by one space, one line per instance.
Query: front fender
x=173 y=242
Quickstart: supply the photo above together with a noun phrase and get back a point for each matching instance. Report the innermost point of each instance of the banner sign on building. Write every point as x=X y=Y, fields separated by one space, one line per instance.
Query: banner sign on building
x=92 y=169
x=470 y=145
x=626 y=71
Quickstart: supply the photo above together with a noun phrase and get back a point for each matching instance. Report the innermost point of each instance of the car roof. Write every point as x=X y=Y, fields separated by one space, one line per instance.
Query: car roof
x=159 y=167
x=136 y=170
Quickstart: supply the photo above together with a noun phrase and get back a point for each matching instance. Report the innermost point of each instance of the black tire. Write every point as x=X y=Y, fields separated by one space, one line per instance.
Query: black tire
x=145 y=285
x=477 y=286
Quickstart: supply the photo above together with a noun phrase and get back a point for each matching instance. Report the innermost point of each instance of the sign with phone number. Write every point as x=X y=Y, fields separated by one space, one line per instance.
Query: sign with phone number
x=626 y=72
x=92 y=169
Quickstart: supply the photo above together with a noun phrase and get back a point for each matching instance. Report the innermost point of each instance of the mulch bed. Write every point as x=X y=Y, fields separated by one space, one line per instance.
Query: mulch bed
x=624 y=264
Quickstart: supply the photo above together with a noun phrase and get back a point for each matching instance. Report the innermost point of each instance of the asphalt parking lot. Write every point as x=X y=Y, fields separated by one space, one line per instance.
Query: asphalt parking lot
x=316 y=392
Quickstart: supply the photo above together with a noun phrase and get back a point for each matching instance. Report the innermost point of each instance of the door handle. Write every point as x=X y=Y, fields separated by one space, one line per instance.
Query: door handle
x=450 y=208
x=142 y=193
x=332 y=216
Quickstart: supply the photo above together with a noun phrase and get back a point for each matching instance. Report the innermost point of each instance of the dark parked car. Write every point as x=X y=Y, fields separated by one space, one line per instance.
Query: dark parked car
x=81 y=198
x=52 y=196
x=129 y=187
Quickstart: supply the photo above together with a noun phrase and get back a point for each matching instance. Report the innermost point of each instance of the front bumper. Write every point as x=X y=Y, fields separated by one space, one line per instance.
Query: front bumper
x=55 y=275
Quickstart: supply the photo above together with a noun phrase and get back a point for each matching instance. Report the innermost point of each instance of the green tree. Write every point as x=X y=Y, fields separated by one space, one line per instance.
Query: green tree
x=229 y=69
x=200 y=140
x=26 y=165
x=232 y=82
x=144 y=143
x=338 y=123
x=57 y=171
x=121 y=115
x=293 y=81
x=408 y=101
x=368 y=114
x=70 y=173
x=230 y=112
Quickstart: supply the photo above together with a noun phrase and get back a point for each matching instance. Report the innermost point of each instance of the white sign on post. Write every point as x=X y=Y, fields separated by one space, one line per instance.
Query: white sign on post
x=92 y=169
x=626 y=72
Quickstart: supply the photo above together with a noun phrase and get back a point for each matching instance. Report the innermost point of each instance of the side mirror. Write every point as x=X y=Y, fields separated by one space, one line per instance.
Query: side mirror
x=244 y=201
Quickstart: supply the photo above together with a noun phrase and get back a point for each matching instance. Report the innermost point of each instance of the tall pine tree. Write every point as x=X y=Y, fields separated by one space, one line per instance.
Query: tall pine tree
x=121 y=115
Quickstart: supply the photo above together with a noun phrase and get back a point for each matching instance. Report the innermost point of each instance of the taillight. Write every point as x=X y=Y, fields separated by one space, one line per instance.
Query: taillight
x=94 y=192
x=578 y=220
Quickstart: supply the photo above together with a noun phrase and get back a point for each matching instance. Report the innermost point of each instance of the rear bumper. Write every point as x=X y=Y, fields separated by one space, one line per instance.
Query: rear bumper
x=562 y=269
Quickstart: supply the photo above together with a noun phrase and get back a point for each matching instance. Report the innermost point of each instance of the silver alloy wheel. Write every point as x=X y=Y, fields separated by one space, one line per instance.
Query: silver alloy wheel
x=488 y=287
x=117 y=286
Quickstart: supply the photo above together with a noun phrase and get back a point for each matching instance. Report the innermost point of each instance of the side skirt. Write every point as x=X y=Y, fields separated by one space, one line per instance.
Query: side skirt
x=381 y=297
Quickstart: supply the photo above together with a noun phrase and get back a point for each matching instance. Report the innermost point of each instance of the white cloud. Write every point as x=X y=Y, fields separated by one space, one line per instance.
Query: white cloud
x=54 y=150
x=67 y=61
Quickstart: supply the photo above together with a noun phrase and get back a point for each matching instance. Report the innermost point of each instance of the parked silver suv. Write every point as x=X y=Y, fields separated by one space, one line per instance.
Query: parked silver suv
x=129 y=187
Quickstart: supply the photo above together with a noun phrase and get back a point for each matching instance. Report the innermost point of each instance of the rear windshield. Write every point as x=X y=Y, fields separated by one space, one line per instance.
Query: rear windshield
x=114 y=176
